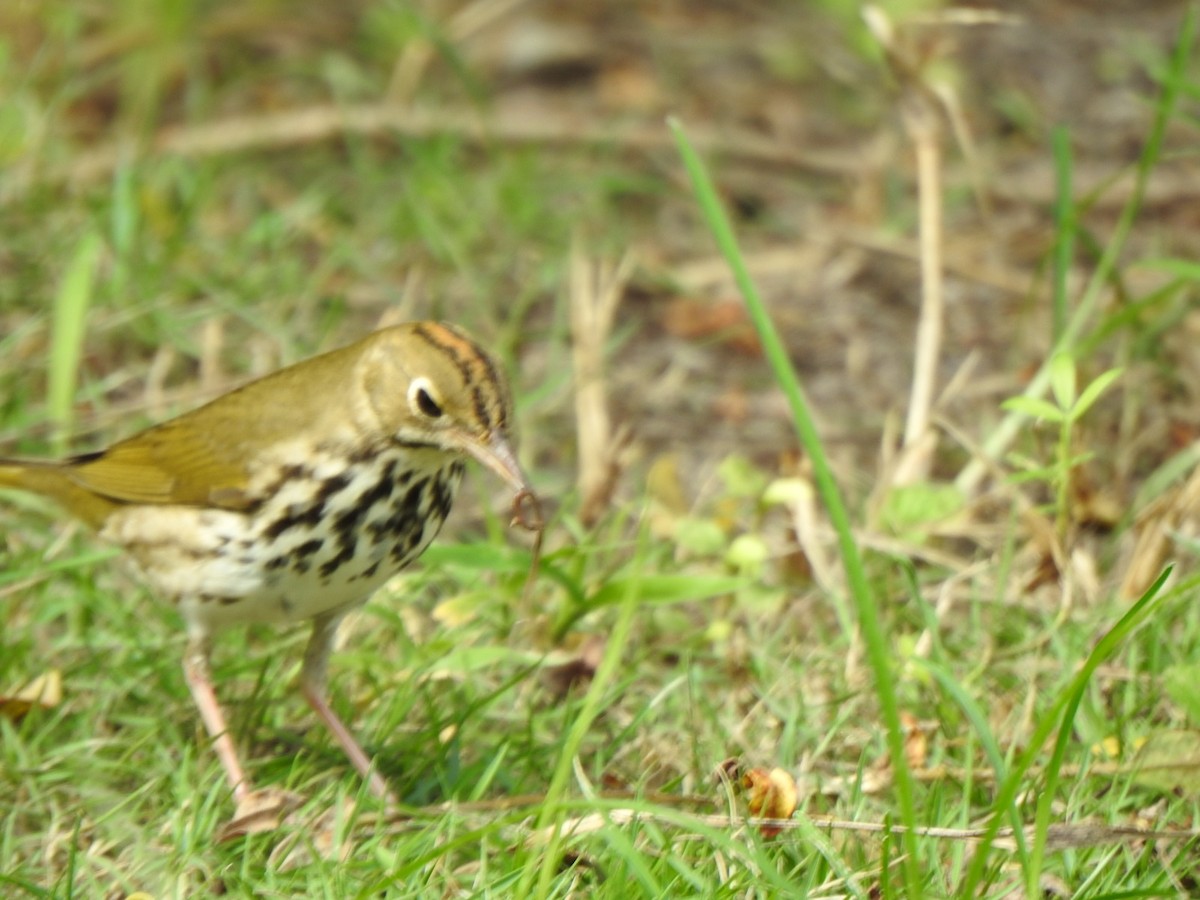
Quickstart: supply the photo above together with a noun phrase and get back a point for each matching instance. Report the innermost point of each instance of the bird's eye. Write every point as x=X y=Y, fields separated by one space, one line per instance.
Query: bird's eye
x=426 y=403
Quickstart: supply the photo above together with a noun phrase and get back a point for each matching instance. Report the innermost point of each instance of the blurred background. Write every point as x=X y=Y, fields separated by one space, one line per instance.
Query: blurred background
x=193 y=193
x=272 y=178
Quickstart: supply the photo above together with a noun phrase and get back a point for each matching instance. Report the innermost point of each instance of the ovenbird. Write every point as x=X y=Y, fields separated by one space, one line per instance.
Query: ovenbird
x=295 y=496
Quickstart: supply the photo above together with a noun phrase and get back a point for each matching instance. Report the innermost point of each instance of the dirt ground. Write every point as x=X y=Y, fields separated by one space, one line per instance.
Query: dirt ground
x=805 y=133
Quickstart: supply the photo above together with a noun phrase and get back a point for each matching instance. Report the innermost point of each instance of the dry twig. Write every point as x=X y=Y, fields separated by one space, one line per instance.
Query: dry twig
x=595 y=293
x=922 y=110
x=266 y=131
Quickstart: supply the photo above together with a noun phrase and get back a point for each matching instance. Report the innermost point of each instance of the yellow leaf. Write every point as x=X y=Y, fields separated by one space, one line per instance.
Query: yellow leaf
x=458 y=610
x=44 y=691
x=772 y=795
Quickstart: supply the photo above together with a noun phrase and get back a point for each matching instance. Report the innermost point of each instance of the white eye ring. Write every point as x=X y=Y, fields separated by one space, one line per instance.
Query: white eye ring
x=423 y=400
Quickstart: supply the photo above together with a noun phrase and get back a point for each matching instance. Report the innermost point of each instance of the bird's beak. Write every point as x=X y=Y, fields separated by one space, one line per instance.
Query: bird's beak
x=497 y=455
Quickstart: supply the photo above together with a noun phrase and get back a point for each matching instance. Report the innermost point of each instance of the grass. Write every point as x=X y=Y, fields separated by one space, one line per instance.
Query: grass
x=1023 y=700
x=865 y=606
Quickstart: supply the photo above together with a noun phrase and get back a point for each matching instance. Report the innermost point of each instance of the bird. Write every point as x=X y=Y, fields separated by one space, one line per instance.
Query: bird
x=295 y=496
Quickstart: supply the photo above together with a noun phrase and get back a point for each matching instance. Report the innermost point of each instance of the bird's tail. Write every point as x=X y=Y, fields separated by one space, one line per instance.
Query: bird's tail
x=16 y=474
x=53 y=480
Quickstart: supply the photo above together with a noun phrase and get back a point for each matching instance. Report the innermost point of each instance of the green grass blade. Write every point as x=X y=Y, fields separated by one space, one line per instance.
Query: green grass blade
x=991 y=747
x=1060 y=714
x=70 y=316
x=552 y=812
x=865 y=607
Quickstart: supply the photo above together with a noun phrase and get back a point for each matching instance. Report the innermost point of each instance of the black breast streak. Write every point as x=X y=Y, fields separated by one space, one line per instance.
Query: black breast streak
x=344 y=528
x=405 y=508
x=443 y=490
x=346 y=524
x=405 y=547
x=308 y=548
x=382 y=490
x=406 y=522
x=307 y=514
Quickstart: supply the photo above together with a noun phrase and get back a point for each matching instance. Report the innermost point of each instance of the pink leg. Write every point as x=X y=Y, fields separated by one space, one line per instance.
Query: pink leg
x=199 y=679
x=312 y=685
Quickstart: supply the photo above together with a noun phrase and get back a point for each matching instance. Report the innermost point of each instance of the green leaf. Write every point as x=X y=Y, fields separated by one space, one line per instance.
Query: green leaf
x=1020 y=461
x=700 y=537
x=1062 y=380
x=910 y=507
x=1034 y=408
x=747 y=554
x=741 y=477
x=1180 y=268
x=664 y=588
x=791 y=491
x=1092 y=392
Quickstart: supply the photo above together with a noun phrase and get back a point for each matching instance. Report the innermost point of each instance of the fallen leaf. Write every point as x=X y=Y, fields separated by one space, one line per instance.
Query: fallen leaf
x=579 y=669
x=1098 y=506
x=732 y=405
x=258 y=812
x=772 y=795
x=725 y=321
x=1158 y=526
x=628 y=85
x=45 y=692
x=303 y=838
x=916 y=744
x=664 y=489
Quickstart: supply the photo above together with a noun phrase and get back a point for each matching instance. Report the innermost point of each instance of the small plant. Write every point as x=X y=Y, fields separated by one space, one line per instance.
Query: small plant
x=1067 y=409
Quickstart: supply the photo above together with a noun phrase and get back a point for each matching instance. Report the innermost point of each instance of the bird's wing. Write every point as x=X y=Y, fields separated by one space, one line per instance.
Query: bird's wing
x=208 y=456
x=178 y=462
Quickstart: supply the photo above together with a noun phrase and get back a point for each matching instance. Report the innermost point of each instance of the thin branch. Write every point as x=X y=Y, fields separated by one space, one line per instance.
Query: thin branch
x=266 y=131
